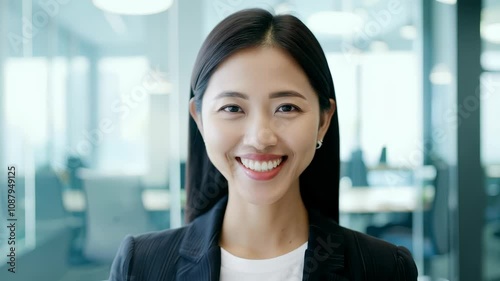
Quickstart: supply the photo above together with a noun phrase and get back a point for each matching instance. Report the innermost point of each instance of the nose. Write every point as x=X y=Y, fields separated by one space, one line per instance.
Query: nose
x=260 y=135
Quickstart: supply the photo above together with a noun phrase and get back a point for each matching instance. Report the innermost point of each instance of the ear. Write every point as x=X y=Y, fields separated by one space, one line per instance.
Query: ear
x=196 y=115
x=325 y=118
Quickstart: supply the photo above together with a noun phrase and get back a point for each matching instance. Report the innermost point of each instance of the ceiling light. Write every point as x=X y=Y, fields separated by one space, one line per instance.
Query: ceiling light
x=490 y=60
x=408 y=32
x=491 y=32
x=449 y=2
x=441 y=75
x=334 y=23
x=379 y=46
x=133 y=7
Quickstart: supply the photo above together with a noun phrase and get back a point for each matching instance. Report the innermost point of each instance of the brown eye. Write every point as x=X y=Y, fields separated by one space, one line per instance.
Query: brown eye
x=231 y=108
x=288 y=108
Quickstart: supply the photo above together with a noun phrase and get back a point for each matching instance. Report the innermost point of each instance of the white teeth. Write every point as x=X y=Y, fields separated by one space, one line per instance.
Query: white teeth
x=259 y=166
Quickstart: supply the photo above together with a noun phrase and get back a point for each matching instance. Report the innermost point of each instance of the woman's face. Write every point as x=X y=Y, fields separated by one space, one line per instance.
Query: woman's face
x=260 y=120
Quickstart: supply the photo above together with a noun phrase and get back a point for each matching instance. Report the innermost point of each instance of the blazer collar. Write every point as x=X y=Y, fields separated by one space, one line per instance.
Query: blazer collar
x=203 y=233
x=324 y=257
x=200 y=251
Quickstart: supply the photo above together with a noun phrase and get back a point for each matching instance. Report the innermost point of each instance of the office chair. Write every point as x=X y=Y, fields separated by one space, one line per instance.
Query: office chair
x=436 y=236
x=114 y=210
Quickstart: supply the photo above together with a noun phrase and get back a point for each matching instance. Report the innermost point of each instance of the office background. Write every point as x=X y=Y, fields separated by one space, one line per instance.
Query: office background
x=94 y=111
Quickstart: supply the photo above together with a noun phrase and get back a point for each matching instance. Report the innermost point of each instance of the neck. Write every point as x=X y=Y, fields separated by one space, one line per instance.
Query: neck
x=264 y=231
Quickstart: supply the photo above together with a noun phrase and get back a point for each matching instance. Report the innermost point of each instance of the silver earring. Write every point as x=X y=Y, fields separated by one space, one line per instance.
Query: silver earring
x=319 y=144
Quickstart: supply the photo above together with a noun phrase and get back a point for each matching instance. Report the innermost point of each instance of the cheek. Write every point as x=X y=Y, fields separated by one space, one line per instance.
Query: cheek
x=219 y=140
x=304 y=144
x=301 y=137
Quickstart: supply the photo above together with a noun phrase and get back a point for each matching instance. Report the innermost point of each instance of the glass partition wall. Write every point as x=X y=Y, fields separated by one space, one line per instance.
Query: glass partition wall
x=489 y=93
x=94 y=110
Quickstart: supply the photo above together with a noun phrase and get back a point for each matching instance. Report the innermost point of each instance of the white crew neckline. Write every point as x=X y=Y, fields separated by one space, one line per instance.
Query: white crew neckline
x=243 y=265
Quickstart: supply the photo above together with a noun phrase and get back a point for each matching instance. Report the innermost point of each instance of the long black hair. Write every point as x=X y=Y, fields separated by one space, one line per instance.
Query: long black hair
x=319 y=183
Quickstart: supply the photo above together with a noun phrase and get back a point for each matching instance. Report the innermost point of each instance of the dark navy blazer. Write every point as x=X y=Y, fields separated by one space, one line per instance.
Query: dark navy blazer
x=192 y=253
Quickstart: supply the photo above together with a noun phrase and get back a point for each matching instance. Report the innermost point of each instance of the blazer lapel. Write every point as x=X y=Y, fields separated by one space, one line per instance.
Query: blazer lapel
x=206 y=268
x=324 y=257
x=199 y=250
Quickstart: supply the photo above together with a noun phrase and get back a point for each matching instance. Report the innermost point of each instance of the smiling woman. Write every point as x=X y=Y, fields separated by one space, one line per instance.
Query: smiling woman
x=263 y=169
x=277 y=119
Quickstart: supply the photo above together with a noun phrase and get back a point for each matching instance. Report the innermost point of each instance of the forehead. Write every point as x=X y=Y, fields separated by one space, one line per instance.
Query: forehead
x=259 y=70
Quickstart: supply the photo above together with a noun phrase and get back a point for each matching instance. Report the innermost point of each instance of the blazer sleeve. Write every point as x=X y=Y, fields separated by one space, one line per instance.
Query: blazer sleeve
x=121 y=266
x=370 y=258
x=406 y=267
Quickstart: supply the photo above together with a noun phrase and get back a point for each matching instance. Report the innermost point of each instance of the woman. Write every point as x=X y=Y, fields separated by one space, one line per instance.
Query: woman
x=263 y=169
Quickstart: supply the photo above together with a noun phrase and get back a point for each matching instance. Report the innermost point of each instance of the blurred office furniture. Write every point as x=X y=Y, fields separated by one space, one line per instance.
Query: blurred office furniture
x=364 y=208
x=383 y=156
x=436 y=220
x=379 y=199
x=73 y=165
x=74 y=203
x=49 y=189
x=492 y=176
x=356 y=169
x=114 y=209
x=49 y=209
x=153 y=199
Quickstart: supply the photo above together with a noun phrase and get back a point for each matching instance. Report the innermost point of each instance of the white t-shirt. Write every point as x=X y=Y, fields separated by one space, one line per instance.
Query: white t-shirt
x=287 y=267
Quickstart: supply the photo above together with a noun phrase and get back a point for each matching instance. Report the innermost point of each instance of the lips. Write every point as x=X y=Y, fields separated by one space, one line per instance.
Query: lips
x=262 y=167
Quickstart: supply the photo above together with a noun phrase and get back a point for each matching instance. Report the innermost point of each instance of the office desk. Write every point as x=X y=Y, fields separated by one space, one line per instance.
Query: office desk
x=383 y=199
x=372 y=199
x=388 y=199
x=152 y=199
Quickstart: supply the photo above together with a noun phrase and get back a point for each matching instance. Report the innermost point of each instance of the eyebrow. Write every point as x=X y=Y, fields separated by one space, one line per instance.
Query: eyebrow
x=274 y=95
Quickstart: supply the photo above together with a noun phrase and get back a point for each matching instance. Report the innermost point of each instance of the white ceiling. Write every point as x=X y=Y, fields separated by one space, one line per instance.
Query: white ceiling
x=101 y=30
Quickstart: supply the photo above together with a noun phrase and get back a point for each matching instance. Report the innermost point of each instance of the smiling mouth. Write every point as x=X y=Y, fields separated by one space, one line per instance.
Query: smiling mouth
x=261 y=166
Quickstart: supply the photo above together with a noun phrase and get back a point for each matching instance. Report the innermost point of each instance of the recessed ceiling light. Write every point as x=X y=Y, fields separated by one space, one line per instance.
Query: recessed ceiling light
x=334 y=23
x=133 y=7
x=449 y=2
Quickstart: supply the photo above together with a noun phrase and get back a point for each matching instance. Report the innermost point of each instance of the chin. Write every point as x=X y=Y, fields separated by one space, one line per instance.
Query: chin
x=261 y=195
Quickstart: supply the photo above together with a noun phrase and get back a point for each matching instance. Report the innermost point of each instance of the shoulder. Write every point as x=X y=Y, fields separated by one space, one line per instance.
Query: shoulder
x=145 y=253
x=364 y=257
x=377 y=257
x=158 y=241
